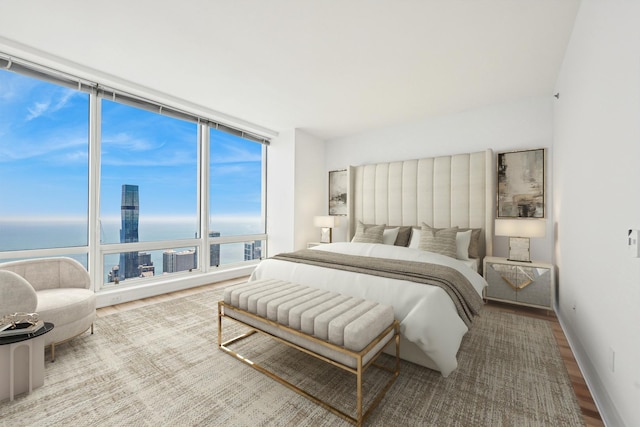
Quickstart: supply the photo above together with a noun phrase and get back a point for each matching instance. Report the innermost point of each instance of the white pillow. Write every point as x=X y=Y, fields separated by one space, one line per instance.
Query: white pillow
x=415 y=238
x=389 y=235
x=463 y=239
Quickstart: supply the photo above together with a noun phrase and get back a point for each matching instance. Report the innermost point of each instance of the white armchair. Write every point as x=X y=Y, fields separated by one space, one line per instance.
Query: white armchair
x=58 y=289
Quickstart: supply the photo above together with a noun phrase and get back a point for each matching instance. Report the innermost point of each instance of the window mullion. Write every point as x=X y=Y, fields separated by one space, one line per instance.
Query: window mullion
x=203 y=195
x=95 y=254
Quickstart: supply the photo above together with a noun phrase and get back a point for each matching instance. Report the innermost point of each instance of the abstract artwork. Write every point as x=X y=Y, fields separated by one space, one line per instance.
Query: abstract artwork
x=521 y=184
x=338 y=181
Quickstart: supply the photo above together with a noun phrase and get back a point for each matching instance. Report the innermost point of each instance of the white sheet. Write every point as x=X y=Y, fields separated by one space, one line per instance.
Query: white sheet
x=427 y=316
x=472 y=263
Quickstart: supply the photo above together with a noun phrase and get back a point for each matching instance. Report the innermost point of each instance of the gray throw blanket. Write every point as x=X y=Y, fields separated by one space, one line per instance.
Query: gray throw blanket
x=454 y=283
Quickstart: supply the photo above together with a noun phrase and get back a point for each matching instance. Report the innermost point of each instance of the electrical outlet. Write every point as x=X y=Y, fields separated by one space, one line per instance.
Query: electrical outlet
x=116 y=299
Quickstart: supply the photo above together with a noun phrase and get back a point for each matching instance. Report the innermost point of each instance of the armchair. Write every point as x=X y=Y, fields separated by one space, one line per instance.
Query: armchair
x=58 y=289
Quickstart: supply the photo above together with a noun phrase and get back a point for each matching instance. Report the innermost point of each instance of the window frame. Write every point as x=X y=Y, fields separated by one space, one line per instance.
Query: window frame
x=95 y=250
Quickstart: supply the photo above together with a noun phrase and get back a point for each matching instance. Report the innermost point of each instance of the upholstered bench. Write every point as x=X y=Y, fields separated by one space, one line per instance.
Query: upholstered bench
x=347 y=332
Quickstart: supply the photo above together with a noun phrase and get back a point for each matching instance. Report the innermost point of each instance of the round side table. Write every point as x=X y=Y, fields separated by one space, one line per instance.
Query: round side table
x=22 y=362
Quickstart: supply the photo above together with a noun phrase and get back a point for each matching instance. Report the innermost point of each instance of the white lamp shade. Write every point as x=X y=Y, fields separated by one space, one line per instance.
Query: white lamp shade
x=521 y=227
x=328 y=221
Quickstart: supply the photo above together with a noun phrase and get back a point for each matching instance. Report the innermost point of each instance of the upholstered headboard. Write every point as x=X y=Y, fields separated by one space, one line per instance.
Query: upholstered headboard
x=440 y=191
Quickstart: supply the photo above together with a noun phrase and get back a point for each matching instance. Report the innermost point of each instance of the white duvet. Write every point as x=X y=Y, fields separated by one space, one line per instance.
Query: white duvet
x=427 y=316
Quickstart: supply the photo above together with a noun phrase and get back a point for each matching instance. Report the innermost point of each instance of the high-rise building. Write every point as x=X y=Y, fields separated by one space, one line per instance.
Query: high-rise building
x=144 y=258
x=173 y=261
x=145 y=265
x=214 y=250
x=114 y=275
x=129 y=212
x=253 y=250
x=146 y=271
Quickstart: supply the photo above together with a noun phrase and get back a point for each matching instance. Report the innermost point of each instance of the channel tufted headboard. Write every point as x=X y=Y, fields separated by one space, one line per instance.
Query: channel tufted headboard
x=440 y=191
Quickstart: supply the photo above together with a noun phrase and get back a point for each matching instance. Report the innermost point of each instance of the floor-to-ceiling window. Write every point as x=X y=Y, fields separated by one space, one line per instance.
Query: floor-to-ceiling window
x=44 y=146
x=236 y=168
x=147 y=190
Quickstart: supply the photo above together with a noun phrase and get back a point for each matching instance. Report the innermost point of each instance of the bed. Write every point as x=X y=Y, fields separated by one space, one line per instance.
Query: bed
x=439 y=193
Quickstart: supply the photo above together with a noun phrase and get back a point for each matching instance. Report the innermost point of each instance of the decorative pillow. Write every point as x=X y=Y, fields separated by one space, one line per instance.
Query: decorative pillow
x=368 y=233
x=390 y=235
x=416 y=233
x=404 y=234
x=439 y=241
x=474 y=244
x=463 y=238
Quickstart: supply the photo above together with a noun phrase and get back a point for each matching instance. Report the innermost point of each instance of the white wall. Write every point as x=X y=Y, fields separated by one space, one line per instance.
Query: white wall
x=523 y=124
x=280 y=193
x=296 y=182
x=310 y=186
x=597 y=198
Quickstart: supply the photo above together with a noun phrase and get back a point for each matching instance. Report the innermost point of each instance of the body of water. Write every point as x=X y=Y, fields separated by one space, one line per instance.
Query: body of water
x=59 y=234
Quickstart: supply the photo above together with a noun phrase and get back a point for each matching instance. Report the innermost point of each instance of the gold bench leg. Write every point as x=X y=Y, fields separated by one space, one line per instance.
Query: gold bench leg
x=358 y=371
x=359 y=391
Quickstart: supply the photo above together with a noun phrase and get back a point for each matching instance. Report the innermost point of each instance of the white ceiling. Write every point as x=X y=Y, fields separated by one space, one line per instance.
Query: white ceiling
x=329 y=67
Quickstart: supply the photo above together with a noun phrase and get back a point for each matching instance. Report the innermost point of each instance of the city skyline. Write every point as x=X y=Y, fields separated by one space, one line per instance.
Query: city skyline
x=140 y=264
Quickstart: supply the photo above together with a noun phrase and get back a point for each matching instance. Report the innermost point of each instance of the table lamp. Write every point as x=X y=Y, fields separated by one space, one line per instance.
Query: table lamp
x=519 y=232
x=326 y=223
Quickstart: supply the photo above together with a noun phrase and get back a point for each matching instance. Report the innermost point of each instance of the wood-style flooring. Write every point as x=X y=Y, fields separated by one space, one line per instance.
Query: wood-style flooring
x=590 y=412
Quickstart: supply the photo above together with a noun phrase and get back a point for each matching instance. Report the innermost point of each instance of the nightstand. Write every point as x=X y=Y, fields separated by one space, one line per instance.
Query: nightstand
x=524 y=283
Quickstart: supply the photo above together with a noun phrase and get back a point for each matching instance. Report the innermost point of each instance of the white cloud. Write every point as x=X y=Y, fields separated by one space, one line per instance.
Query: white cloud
x=37 y=110
x=76 y=156
x=231 y=169
x=19 y=149
x=56 y=101
x=236 y=154
x=123 y=140
x=152 y=156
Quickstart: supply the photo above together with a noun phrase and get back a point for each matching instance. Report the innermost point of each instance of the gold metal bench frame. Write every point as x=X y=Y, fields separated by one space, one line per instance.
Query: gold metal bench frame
x=358 y=357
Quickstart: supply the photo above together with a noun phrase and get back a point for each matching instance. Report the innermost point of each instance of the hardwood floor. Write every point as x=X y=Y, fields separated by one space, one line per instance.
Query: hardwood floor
x=590 y=412
x=588 y=407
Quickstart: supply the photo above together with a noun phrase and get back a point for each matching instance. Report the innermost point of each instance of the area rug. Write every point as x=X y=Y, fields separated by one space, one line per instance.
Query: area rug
x=159 y=365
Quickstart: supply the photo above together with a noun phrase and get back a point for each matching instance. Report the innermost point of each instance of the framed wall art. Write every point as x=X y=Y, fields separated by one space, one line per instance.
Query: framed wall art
x=338 y=182
x=521 y=184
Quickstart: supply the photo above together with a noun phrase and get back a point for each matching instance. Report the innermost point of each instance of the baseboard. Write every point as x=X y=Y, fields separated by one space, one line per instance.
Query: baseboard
x=118 y=295
x=604 y=403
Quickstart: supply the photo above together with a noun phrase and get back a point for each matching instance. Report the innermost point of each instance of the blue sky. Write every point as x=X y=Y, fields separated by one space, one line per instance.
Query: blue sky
x=44 y=157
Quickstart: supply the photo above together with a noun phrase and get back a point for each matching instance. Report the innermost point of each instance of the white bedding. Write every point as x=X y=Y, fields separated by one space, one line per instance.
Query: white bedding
x=472 y=263
x=427 y=316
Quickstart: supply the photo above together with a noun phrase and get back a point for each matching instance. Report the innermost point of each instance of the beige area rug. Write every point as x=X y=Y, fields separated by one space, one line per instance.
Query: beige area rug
x=160 y=366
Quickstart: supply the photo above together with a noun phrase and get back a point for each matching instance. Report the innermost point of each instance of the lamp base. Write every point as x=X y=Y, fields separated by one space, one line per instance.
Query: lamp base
x=519 y=249
x=325 y=235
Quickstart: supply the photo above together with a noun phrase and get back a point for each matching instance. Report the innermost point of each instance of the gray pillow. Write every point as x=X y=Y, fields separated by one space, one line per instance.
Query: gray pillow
x=368 y=233
x=404 y=235
x=441 y=241
x=474 y=245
